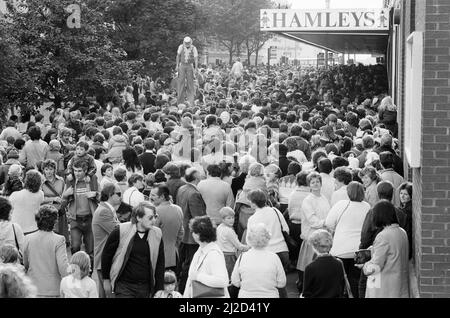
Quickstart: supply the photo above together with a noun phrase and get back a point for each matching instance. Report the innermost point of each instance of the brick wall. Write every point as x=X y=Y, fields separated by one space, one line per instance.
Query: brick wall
x=432 y=181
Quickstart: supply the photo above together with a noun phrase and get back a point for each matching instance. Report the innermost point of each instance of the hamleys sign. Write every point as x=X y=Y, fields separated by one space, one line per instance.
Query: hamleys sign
x=324 y=20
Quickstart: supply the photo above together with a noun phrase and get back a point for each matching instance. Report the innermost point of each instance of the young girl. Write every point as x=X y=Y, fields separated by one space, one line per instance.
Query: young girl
x=170 y=282
x=78 y=284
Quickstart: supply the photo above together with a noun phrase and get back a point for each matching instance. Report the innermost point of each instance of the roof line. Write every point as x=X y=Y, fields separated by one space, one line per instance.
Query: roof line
x=307 y=42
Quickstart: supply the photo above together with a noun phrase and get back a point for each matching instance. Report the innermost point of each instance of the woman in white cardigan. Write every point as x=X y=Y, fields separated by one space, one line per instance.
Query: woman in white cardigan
x=315 y=208
x=208 y=264
x=345 y=220
x=258 y=272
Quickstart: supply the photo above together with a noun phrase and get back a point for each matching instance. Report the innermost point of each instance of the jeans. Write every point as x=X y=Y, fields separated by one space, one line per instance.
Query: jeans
x=131 y=290
x=353 y=275
x=187 y=252
x=81 y=231
x=186 y=83
x=284 y=258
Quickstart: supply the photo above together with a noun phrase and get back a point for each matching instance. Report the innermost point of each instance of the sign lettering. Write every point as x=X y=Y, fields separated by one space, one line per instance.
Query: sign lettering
x=325 y=20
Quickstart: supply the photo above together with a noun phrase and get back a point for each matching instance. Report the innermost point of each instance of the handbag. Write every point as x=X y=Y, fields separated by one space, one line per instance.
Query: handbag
x=200 y=290
x=291 y=243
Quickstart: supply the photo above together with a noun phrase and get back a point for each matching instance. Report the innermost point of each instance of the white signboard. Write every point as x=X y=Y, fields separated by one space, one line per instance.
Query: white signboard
x=325 y=20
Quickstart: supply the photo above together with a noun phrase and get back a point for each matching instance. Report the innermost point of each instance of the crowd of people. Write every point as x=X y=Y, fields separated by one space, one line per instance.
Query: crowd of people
x=265 y=174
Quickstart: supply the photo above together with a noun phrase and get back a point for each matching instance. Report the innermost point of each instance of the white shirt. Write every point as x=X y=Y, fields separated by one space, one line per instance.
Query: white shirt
x=328 y=186
x=133 y=196
x=339 y=194
x=237 y=68
x=25 y=206
x=314 y=212
x=258 y=274
x=267 y=216
x=76 y=288
x=346 y=220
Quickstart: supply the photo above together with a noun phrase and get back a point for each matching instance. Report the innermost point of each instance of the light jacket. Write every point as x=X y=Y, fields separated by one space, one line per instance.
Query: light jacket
x=71 y=202
x=127 y=232
x=116 y=144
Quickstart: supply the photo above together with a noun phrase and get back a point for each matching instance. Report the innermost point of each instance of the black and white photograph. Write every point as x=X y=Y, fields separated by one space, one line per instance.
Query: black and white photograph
x=244 y=150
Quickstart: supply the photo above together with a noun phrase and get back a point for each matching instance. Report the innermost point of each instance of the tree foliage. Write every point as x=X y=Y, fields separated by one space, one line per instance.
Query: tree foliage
x=48 y=61
x=153 y=30
x=236 y=23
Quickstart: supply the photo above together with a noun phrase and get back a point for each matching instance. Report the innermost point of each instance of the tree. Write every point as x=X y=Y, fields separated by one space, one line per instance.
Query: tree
x=52 y=62
x=236 y=23
x=153 y=30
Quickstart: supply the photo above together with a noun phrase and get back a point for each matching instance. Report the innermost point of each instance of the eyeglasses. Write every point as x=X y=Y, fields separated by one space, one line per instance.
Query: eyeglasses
x=118 y=193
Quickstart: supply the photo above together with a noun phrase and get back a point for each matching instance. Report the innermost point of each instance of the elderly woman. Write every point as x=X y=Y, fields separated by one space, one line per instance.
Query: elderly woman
x=324 y=277
x=255 y=180
x=26 y=202
x=387 y=269
x=345 y=220
x=275 y=223
x=258 y=272
x=370 y=179
x=208 y=264
x=53 y=188
x=315 y=208
x=13 y=181
x=10 y=233
x=405 y=191
x=14 y=283
x=45 y=257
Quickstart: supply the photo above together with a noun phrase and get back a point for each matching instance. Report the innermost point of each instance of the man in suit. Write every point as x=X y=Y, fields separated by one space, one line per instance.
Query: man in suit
x=191 y=202
x=103 y=223
x=148 y=157
x=170 y=217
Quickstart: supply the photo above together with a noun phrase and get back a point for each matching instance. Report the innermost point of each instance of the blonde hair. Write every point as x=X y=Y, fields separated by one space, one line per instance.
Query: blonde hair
x=256 y=170
x=321 y=241
x=226 y=211
x=14 y=283
x=258 y=236
x=80 y=264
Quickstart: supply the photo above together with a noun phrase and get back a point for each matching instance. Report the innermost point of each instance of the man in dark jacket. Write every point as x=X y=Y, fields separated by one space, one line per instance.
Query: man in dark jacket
x=191 y=202
x=174 y=181
x=147 y=159
x=283 y=161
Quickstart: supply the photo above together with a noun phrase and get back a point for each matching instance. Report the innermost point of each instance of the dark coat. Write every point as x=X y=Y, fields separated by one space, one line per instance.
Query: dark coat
x=148 y=162
x=191 y=202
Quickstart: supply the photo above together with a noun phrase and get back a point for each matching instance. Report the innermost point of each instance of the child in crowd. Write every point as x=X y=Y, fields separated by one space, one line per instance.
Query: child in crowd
x=170 y=283
x=78 y=284
x=107 y=175
x=227 y=239
x=55 y=154
x=81 y=154
x=9 y=254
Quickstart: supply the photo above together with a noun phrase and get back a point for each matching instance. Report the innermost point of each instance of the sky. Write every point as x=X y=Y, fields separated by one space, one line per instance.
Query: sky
x=335 y=4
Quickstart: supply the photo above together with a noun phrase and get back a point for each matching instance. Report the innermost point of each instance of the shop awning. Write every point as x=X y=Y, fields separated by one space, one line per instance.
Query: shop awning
x=353 y=31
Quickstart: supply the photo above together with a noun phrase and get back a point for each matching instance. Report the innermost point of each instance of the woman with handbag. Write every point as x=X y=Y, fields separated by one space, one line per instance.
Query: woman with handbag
x=315 y=208
x=277 y=226
x=345 y=220
x=208 y=276
x=53 y=188
x=259 y=272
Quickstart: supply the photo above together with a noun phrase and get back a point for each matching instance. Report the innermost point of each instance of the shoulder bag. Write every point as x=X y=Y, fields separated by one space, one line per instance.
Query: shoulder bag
x=291 y=243
x=200 y=290
x=17 y=244
x=348 y=291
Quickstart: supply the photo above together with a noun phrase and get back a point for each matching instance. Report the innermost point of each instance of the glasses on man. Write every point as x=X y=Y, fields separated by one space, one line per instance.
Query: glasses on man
x=118 y=193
